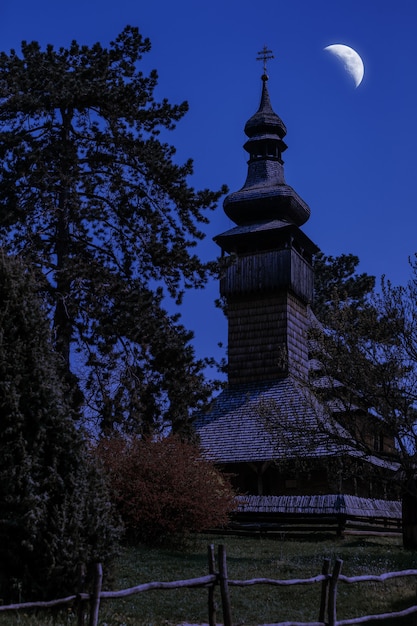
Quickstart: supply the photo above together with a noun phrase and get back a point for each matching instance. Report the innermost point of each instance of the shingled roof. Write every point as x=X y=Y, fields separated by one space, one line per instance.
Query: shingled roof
x=263 y=421
x=273 y=420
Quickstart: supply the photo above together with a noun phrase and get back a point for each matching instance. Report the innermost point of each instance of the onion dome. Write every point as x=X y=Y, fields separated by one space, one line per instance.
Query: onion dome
x=265 y=122
x=265 y=195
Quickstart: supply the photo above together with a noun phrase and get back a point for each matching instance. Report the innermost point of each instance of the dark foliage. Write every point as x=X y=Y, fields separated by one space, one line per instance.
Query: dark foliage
x=360 y=345
x=336 y=278
x=366 y=346
x=54 y=507
x=94 y=198
x=164 y=489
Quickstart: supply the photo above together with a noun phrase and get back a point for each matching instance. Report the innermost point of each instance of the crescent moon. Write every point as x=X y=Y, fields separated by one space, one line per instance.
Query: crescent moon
x=351 y=60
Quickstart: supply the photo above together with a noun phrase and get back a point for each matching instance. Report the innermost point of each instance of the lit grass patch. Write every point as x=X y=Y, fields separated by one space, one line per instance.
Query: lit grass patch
x=252 y=558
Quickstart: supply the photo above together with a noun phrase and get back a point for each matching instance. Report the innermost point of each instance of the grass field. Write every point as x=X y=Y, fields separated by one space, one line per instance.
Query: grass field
x=250 y=558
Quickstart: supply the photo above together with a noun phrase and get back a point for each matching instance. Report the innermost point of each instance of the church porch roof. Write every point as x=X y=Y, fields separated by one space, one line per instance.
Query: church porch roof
x=262 y=421
x=275 y=420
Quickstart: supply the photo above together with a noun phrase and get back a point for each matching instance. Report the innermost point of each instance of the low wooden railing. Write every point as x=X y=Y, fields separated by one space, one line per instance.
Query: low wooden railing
x=327 y=609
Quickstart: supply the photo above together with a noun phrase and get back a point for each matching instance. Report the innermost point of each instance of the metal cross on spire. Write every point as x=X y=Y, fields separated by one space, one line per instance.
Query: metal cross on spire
x=265 y=55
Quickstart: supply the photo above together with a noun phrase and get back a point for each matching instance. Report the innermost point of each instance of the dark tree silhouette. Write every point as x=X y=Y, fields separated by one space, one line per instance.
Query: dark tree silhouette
x=90 y=194
x=366 y=345
x=54 y=505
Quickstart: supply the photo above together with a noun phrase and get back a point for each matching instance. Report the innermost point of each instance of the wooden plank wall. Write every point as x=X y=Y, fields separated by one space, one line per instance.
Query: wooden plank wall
x=267 y=337
x=267 y=298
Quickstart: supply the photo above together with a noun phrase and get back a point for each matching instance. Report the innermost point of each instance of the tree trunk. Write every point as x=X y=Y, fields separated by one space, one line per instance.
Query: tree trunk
x=63 y=320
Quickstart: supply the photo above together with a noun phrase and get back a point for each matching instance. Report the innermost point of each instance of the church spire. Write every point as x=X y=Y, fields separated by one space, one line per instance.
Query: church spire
x=268 y=284
x=265 y=195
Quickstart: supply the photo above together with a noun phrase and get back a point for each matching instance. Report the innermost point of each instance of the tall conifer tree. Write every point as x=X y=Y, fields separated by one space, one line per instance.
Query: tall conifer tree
x=54 y=510
x=366 y=348
x=93 y=196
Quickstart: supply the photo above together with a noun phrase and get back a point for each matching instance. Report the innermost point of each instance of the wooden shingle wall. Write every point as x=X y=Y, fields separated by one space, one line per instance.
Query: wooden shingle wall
x=267 y=337
x=297 y=328
x=268 y=295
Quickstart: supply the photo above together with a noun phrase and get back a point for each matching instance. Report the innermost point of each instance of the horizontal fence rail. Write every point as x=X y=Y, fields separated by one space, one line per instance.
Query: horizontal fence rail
x=42 y=605
x=203 y=581
x=278 y=583
x=327 y=604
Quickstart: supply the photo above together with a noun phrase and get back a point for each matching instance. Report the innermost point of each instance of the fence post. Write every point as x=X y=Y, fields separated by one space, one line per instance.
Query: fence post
x=95 y=596
x=333 y=592
x=81 y=613
x=211 y=602
x=224 y=587
x=324 y=590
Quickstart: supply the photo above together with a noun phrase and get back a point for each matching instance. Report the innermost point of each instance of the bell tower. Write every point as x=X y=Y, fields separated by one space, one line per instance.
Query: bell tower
x=267 y=414
x=268 y=281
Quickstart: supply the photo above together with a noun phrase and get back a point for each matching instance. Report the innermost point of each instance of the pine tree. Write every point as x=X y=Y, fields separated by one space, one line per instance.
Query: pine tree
x=366 y=348
x=336 y=278
x=92 y=196
x=54 y=510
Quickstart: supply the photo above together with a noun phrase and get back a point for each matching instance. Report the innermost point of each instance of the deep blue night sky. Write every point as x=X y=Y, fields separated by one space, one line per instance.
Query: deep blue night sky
x=351 y=152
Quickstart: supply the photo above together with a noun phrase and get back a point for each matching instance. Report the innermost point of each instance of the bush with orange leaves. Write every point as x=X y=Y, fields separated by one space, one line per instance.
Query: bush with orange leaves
x=164 y=488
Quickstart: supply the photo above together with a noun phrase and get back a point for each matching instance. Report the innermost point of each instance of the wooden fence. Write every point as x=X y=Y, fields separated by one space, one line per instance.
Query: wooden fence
x=327 y=597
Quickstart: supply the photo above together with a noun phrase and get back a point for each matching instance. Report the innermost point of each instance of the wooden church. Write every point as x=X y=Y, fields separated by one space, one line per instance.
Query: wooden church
x=263 y=428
